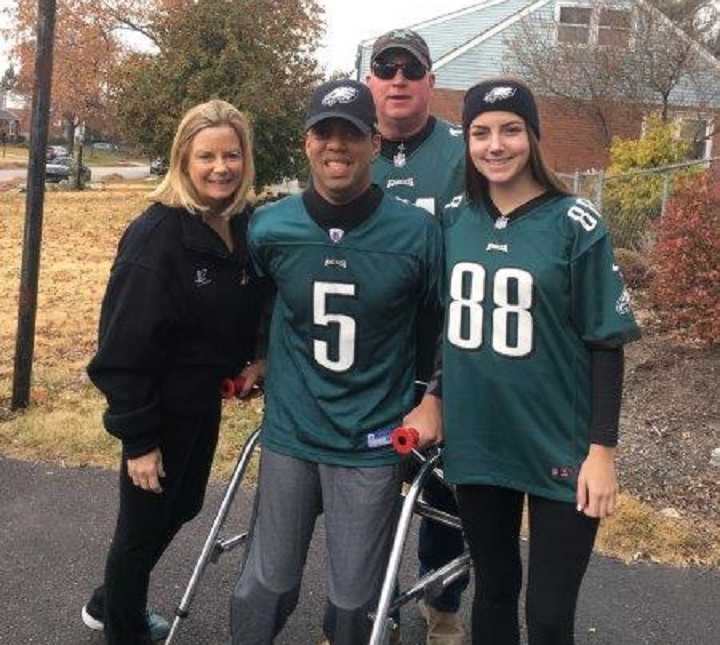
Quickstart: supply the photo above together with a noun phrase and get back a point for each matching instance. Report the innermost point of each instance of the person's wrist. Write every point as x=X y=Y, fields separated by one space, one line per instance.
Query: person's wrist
x=431 y=400
x=602 y=452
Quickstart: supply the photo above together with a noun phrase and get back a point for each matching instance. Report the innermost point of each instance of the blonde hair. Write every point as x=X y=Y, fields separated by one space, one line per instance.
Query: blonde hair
x=176 y=189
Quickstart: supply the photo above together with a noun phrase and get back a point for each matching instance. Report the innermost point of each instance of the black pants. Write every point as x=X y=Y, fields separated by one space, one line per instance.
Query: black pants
x=561 y=541
x=147 y=523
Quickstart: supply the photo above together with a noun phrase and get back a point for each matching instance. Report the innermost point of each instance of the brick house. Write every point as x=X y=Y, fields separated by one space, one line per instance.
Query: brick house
x=472 y=43
x=13 y=117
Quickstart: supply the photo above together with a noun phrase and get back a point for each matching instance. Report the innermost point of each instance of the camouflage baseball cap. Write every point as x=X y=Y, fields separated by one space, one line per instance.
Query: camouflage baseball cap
x=406 y=39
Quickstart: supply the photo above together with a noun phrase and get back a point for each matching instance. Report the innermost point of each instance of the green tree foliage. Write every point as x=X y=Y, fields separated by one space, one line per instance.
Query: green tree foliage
x=256 y=54
x=9 y=79
x=631 y=203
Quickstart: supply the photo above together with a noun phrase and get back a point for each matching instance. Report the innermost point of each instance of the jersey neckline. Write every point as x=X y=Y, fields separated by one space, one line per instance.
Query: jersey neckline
x=521 y=211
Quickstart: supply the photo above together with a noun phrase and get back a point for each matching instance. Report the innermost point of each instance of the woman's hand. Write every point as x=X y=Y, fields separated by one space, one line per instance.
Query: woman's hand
x=252 y=375
x=146 y=471
x=426 y=418
x=597 y=482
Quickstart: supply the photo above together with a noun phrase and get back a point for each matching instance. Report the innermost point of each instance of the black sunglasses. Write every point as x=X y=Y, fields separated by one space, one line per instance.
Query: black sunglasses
x=412 y=70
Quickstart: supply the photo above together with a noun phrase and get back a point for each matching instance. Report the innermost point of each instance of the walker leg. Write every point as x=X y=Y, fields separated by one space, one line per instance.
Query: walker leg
x=380 y=619
x=213 y=547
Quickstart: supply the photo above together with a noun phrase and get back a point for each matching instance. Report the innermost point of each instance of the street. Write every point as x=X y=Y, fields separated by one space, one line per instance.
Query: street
x=98 y=172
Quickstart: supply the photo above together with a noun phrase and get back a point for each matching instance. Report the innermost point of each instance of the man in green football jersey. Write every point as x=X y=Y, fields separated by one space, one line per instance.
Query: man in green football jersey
x=353 y=269
x=422 y=157
x=422 y=160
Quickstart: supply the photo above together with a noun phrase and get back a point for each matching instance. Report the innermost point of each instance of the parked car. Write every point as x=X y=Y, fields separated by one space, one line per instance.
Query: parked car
x=56 y=151
x=62 y=168
x=159 y=166
x=104 y=145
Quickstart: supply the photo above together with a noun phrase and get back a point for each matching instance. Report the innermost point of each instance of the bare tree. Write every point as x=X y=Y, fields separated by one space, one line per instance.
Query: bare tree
x=700 y=19
x=599 y=56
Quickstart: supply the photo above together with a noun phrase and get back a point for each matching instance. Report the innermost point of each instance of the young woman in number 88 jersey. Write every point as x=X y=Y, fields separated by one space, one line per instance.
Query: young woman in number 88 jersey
x=532 y=367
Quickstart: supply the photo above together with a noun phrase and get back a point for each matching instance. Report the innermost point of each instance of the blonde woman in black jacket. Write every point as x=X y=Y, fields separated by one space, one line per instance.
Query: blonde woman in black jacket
x=180 y=314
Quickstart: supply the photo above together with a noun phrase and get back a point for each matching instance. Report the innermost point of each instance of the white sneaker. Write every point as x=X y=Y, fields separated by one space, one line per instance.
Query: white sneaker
x=90 y=621
x=158 y=626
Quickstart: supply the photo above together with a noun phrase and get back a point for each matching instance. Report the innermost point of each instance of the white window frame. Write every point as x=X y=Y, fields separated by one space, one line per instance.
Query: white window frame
x=632 y=29
x=559 y=6
x=678 y=117
x=594 y=25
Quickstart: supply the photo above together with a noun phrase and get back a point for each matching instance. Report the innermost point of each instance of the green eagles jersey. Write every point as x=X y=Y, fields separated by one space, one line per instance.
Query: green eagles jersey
x=341 y=355
x=527 y=299
x=429 y=177
x=432 y=175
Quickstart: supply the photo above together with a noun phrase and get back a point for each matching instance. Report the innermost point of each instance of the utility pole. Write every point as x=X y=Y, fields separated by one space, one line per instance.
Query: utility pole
x=80 y=139
x=32 y=238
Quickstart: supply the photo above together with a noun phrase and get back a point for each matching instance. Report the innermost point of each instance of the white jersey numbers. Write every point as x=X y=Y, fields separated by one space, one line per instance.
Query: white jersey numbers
x=469 y=307
x=428 y=203
x=512 y=298
x=345 y=353
x=585 y=213
x=505 y=310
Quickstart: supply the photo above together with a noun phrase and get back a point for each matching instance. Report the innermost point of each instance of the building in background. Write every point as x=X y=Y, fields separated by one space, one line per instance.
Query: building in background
x=481 y=41
x=14 y=116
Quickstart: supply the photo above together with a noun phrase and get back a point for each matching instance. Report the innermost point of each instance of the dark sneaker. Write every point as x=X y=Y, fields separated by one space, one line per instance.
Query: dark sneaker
x=158 y=627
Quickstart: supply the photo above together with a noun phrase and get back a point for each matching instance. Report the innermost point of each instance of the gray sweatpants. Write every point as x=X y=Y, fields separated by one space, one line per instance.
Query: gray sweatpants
x=360 y=507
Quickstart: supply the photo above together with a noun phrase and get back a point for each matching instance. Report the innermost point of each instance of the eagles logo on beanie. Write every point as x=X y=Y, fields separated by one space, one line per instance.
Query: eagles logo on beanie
x=501 y=95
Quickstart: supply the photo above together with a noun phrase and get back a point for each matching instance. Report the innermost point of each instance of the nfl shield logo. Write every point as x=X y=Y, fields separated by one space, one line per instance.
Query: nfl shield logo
x=336 y=234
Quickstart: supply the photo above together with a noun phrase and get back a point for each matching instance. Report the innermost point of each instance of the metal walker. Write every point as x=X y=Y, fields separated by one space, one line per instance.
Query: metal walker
x=429 y=586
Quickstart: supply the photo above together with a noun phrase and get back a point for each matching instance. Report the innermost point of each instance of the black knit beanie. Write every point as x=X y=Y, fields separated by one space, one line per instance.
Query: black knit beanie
x=501 y=95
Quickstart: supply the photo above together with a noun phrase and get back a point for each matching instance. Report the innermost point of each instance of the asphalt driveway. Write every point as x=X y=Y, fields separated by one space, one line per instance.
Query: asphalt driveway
x=55 y=524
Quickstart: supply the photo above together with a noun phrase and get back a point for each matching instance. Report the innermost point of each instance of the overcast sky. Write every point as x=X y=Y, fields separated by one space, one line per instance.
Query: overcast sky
x=4 y=4
x=350 y=22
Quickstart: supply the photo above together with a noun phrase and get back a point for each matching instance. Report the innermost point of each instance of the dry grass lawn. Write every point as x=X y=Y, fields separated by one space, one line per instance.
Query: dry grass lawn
x=13 y=157
x=80 y=235
x=63 y=424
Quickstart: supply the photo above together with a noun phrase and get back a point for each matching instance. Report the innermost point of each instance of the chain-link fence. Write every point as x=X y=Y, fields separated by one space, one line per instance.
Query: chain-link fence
x=632 y=202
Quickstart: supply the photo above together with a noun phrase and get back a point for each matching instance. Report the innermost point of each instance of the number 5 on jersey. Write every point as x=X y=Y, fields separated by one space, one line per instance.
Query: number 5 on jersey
x=345 y=353
x=466 y=312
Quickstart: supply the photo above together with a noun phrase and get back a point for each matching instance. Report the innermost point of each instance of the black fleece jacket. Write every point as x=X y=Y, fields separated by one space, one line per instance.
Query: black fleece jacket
x=180 y=313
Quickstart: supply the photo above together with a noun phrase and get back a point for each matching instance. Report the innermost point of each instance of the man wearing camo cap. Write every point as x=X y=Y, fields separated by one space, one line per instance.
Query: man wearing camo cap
x=422 y=160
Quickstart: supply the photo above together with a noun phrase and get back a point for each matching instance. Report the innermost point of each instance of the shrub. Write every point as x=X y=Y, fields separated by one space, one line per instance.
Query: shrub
x=686 y=260
x=630 y=204
x=634 y=266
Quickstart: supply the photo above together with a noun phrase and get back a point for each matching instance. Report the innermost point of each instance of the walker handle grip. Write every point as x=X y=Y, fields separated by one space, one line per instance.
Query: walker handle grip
x=405 y=439
x=229 y=387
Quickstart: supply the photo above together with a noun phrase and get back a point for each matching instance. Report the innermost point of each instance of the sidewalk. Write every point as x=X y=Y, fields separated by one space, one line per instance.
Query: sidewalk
x=55 y=525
